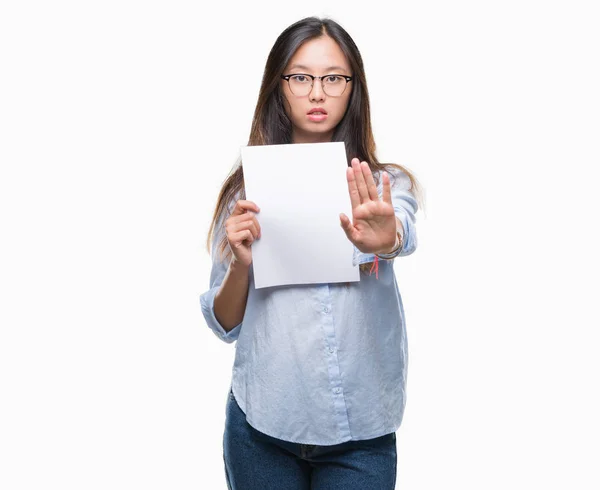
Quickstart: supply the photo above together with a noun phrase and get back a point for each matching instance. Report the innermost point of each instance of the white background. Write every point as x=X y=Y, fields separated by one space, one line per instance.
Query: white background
x=119 y=121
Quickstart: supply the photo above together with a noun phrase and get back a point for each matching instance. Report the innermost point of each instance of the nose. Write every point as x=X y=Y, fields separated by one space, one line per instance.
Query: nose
x=316 y=92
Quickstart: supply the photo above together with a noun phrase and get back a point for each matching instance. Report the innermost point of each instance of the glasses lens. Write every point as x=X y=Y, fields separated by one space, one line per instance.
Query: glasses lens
x=300 y=85
x=334 y=85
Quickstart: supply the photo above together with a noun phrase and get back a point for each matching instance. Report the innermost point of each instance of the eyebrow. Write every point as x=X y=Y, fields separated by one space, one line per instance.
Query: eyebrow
x=296 y=65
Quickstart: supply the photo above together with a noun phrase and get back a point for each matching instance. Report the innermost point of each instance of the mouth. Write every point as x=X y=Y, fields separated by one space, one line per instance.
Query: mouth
x=317 y=116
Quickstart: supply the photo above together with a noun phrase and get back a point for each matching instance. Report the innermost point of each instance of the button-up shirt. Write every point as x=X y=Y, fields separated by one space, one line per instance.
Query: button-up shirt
x=322 y=364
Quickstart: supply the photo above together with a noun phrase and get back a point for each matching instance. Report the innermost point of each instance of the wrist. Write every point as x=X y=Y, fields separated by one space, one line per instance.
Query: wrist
x=394 y=251
x=388 y=250
x=238 y=267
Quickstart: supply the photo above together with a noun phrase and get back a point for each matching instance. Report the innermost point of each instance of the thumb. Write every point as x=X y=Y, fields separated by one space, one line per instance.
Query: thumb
x=346 y=224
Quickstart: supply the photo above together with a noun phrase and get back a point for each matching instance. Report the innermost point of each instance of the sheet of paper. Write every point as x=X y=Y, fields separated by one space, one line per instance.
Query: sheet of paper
x=301 y=190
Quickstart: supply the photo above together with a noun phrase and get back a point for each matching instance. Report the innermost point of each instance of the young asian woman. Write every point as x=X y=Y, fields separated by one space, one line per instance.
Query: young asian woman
x=318 y=384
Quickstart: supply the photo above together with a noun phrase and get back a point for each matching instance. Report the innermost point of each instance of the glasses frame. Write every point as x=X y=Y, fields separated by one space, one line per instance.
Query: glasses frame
x=312 y=83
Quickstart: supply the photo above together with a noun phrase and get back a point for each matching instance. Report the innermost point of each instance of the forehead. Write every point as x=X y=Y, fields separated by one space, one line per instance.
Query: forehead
x=319 y=55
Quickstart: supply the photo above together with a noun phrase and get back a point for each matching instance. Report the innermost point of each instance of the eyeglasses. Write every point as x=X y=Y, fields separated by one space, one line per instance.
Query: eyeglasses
x=301 y=83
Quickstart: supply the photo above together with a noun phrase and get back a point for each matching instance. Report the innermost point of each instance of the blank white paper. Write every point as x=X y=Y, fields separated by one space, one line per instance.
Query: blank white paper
x=301 y=190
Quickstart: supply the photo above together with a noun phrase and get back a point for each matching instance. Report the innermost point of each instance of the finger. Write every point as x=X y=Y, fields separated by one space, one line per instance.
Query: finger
x=246 y=225
x=240 y=218
x=370 y=181
x=360 y=181
x=242 y=236
x=258 y=228
x=241 y=206
x=352 y=189
x=255 y=226
x=387 y=188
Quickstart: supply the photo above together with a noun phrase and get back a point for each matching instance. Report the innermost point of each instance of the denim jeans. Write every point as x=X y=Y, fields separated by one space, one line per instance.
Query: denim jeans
x=257 y=461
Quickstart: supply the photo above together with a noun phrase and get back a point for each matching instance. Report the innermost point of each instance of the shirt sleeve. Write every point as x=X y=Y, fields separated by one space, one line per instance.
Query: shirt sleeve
x=207 y=299
x=405 y=208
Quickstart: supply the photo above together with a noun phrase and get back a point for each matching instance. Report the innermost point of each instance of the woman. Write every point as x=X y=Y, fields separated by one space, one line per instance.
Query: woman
x=319 y=378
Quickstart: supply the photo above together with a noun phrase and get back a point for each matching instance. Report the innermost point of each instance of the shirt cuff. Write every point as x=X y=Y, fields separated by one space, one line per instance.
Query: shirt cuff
x=207 y=302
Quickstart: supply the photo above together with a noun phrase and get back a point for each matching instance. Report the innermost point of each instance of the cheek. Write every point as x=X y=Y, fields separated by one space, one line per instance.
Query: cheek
x=340 y=110
x=298 y=113
x=289 y=106
x=291 y=109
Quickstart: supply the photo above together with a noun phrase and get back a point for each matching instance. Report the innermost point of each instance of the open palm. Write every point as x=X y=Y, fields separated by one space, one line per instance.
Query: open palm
x=373 y=226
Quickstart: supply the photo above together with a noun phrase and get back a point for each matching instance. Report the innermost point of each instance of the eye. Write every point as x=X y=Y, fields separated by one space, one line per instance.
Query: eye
x=300 y=78
x=332 y=79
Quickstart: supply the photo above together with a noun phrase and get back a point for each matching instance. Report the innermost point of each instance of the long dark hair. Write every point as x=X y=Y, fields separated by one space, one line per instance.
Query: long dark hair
x=271 y=125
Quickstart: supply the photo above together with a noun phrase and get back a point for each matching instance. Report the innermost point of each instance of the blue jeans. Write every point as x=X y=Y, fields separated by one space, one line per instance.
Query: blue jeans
x=256 y=461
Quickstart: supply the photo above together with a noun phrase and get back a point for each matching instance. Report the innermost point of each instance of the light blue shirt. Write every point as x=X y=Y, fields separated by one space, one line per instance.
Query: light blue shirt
x=322 y=364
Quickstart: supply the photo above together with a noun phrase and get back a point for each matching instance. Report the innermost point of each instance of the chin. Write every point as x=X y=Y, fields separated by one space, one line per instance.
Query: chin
x=319 y=128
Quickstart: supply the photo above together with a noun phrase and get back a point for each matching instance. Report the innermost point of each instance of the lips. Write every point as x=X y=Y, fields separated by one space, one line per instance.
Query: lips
x=317 y=110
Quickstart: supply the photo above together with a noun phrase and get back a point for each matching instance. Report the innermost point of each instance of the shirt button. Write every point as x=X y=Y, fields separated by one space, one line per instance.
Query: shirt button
x=331 y=350
x=338 y=390
x=326 y=309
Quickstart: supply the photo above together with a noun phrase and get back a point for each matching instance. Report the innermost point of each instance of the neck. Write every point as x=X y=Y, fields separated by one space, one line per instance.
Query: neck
x=298 y=137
